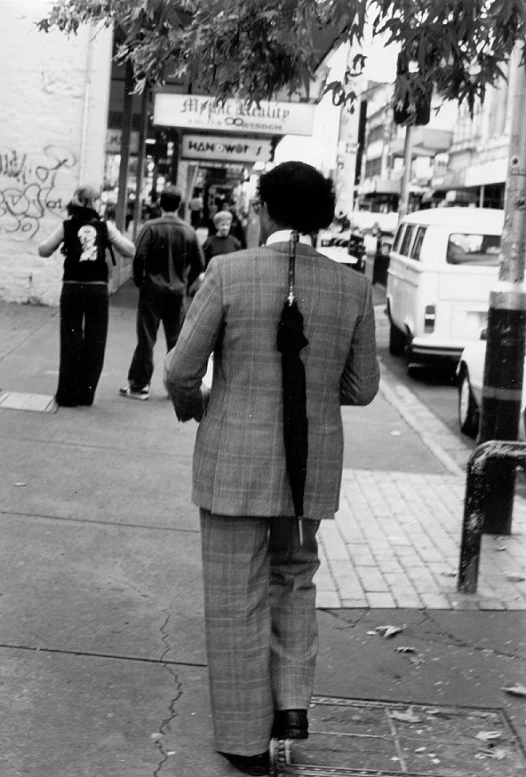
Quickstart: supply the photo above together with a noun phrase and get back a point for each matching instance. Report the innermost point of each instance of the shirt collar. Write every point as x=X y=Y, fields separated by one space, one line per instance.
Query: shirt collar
x=283 y=236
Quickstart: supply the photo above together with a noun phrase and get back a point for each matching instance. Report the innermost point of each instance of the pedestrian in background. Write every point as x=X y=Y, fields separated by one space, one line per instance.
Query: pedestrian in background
x=85 y=238
x=222 y=242
x=260 y=618
x=168 y=262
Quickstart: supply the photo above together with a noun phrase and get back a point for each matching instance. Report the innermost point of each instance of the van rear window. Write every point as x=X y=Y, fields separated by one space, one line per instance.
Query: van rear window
x=467 y=248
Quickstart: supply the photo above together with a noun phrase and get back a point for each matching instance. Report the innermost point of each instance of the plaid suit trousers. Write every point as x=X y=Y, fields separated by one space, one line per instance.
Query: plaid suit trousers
x=260 y=623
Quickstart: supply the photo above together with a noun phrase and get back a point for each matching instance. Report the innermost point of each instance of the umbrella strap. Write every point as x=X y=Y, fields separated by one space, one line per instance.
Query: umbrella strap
x=293 y=242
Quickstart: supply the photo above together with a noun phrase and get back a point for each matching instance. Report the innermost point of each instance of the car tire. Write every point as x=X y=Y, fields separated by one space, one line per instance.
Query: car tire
x=468 y=413
x=397 y=340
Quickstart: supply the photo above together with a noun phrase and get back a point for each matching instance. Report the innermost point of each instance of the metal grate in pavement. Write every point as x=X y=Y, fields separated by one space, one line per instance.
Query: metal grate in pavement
x=355 y=738
x=15 y=400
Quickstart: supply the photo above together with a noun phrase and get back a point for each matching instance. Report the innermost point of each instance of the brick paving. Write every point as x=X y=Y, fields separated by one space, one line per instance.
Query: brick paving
x=395 y=541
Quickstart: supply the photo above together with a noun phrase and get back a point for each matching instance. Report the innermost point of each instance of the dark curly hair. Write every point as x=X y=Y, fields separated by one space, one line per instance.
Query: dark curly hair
x=298 y=196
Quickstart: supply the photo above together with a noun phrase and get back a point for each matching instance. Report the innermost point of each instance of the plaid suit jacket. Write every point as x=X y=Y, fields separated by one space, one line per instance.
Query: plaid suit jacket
x=239 y=458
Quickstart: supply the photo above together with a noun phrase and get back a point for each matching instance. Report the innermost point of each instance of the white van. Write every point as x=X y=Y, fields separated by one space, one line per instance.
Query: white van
x=444 y=262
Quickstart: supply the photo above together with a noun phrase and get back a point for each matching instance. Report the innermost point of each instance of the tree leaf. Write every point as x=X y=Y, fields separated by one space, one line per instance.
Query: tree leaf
x=515 y=690
x=489 y=736
x=389 y=631
x=408 y=716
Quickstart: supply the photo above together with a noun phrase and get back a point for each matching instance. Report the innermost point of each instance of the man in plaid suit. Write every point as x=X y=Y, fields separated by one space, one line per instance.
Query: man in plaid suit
x=258 y=578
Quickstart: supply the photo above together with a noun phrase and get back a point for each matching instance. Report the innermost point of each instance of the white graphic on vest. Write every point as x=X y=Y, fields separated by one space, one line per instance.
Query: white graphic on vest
x=88 y=240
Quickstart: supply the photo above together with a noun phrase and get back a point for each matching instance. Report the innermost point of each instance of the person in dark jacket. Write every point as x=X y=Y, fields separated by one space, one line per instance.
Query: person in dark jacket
x=84 y=237
x=168 y=262
x=222 y=242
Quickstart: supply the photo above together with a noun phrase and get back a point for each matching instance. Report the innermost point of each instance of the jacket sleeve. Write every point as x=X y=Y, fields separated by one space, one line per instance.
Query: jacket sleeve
x=185 y=365
x=361 y=375
x=196 y=262
x=141 y=252
x=123 y=244
x=50 y=245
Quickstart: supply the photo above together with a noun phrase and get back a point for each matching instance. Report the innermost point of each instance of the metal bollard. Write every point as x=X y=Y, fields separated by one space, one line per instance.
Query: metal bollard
x=473 y=521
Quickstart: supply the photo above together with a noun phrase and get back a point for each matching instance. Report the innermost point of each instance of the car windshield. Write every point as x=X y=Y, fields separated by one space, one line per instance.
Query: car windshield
x=468 y=248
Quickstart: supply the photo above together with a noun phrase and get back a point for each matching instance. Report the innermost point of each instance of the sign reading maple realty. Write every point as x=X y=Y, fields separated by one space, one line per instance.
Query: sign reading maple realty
x=200 y=112
x=224 y=148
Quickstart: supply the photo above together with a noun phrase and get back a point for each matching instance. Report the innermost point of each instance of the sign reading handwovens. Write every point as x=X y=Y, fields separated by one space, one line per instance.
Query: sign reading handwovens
x=199 y=112
x=223 y=148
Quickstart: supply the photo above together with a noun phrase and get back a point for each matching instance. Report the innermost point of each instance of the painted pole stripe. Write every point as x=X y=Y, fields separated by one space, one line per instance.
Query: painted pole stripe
x=509 y=395
x=510 y=299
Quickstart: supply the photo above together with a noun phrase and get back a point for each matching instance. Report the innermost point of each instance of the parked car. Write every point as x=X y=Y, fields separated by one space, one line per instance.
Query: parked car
x=344 y=247
x=443 y=264
x=470 y=374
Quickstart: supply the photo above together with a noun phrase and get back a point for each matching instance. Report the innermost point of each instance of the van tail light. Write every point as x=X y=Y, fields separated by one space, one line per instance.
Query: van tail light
x=429 y=319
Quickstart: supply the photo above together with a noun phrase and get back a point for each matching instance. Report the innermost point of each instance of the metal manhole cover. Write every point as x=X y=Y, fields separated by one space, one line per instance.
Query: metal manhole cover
x=354 y=738
x=16 y=400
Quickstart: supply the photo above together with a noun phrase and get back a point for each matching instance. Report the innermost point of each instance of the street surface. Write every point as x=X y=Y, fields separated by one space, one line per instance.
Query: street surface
x=102 y=655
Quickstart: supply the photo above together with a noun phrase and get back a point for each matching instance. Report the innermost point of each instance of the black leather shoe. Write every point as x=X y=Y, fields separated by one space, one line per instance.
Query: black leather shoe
x=256 y=765
x=290 y=724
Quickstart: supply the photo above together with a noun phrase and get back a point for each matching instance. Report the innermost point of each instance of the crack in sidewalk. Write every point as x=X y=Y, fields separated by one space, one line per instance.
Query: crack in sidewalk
x=165 y=726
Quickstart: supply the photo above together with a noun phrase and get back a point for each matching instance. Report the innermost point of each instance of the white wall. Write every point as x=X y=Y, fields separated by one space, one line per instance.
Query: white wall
x=55 y=94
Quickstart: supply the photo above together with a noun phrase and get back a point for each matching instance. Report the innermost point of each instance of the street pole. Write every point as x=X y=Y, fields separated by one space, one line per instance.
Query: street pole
x=503 y=369
x=403 y=205
x=127 y=116
x=141 y=155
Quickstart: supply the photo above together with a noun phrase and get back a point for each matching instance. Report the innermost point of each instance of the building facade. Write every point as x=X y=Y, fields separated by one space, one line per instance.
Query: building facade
x=55 y=96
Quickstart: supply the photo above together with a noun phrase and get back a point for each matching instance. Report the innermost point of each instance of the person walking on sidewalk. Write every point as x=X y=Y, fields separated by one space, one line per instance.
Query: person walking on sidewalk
x=168 y=261
x=260 y=618
x=84 y=237
x=222 y=242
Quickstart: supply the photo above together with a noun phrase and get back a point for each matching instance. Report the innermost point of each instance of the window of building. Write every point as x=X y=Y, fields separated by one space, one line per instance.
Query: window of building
x=375 y=133
x=373 y=167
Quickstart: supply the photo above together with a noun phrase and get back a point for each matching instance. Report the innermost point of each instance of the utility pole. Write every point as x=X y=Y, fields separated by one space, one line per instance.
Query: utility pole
x=403 y=205
x=127 y=117
x=503 y=369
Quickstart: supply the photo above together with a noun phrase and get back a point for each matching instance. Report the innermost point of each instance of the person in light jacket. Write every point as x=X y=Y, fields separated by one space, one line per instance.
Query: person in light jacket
x=259 y=593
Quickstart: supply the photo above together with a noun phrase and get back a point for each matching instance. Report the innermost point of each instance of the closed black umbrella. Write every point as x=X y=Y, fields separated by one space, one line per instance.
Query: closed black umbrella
x=290 y=341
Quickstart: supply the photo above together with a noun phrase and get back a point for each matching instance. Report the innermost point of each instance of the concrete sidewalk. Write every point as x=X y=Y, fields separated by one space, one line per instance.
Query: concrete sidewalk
x=102 y=659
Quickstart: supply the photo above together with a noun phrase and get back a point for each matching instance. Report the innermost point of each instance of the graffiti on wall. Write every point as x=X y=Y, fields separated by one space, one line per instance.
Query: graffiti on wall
x=29 y=190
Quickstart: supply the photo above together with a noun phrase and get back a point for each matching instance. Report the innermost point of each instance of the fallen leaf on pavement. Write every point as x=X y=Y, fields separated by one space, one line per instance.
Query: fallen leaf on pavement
x=499 y=753
x=403 y=649
x=406 y=717
x=489 y=736
x=515 y=690
x=389 y=631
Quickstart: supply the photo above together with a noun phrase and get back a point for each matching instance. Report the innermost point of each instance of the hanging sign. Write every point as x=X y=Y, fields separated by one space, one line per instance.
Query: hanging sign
x=113 y=141
x=225 y=149
x=200 y=112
